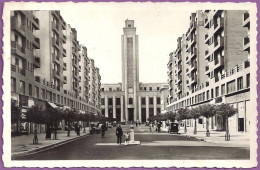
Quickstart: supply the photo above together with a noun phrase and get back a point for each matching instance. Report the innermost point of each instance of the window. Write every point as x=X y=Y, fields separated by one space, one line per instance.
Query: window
x=222 y=89
x=143 y=101
x=144 y=88
x=130 y=100
x=13 y=84
x=117 y=89
x=58 y=98
x=158 y=110
x=102 y=89
x=158 y=88
x=240 y=83
x=150 y=100
x=22 y=87
x=37 y=93
x=150 y=88
x=30 y=90
x=110 y=89
x=117 y=101
x=230 y=86
x=217 y=91
x=103 y=112
x=158 y=100
x=43 y=94
x=208 y=95
x=110 y=101
x=102 y=101
x=248 y=80
x=212 y=93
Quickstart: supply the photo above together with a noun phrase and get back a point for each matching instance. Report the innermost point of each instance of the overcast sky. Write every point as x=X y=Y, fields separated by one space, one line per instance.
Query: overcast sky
x=100 y=29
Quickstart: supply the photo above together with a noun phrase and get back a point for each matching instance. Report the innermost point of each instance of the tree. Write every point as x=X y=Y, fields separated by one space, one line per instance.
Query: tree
x=69 y=115
x=35 y=115
x=225 y=111
x=15 y=114
x=207 y=110
x=195 y=114
x=171 y=116
x=183 y=114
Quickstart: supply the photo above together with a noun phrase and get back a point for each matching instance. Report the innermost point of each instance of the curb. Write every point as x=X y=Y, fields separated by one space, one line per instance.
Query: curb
x=47 y=147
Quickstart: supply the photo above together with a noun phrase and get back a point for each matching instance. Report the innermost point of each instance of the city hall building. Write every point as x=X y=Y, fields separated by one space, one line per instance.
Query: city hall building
x=132 y=100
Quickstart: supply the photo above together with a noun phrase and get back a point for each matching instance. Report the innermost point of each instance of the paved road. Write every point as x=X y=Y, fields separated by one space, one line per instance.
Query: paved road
x=153 y=146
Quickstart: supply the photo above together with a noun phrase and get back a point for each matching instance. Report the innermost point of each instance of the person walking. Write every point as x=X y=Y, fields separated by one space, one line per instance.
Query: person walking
x=150 y=128
x=119 y=133
x=159 y=127
x=103 y=129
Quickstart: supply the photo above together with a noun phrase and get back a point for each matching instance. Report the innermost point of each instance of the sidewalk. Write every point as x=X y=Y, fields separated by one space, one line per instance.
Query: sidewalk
x=23 y=145
x=237 y=139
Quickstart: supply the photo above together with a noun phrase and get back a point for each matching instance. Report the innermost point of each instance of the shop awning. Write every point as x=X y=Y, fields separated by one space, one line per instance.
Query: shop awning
x=52 y=105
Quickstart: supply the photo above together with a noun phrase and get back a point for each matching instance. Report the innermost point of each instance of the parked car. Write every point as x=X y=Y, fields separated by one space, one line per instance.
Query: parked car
x=173 y=127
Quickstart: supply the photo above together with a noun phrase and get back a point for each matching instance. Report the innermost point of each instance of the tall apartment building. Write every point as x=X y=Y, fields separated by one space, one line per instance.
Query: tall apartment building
x=131 y=100
x=217 y=65
x=53 y=73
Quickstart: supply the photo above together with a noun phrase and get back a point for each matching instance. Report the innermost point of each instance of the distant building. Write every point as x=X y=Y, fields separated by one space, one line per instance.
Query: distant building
x=215 y=66
x=131 y=100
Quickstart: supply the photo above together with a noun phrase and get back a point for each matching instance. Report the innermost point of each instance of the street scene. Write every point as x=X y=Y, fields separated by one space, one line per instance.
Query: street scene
x=154 y=146
x=140 y=84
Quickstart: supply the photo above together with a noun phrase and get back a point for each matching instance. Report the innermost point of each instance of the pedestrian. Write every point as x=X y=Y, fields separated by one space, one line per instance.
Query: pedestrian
x=119 y=133
x=159 y=127
x=150 y=128
x=136 y=124
x=103 y=129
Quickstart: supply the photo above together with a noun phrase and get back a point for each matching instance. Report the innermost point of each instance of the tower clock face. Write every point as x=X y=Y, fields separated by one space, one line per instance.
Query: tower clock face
x=130 y=90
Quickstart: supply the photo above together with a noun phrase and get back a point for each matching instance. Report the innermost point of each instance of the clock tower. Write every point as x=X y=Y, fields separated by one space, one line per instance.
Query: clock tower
x=130 y=70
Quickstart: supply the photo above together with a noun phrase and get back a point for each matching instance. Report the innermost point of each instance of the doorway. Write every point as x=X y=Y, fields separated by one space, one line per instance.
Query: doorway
x=130 y=114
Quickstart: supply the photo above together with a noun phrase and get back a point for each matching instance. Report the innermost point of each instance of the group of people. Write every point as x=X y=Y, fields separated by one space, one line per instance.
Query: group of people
x=151 y=127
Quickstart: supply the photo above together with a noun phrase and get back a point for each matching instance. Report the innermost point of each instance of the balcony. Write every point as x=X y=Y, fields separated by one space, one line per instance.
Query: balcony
x=64 y=51
x=206 y=54
x=55 y=13
x=206 y=22
x=36 y=42
x=193 y=39
x=246 y=20
x=20 y=28
x=65 y=79
x=179 y=79
x=63 y=38
x=55 y=73
x=19 y=70
x=193 y=52
x=55 y=42
x=193 y=66
x=207 y=70
x=64 y=66
x=218 y=62
x=219 y=43
x=36 y=22
x=194 y=79
x=55 y=58
x=219 y=24
x=37 y=62
x=246 y=44
x=17 y=49
x=55 y=27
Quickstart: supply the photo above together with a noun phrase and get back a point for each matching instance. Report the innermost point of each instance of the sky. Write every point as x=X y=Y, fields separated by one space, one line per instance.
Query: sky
x=158 y=26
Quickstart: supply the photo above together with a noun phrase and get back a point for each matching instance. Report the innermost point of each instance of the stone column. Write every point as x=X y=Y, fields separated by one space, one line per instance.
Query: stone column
x=147 y=106
x=122 y=108
x=106 y=106
x=139 y=109
x=154 y=105
x=114 y=106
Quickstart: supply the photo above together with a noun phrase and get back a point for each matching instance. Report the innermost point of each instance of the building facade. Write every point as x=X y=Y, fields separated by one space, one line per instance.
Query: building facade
x=217 y=66
x=49 y=68
x=130 y=100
